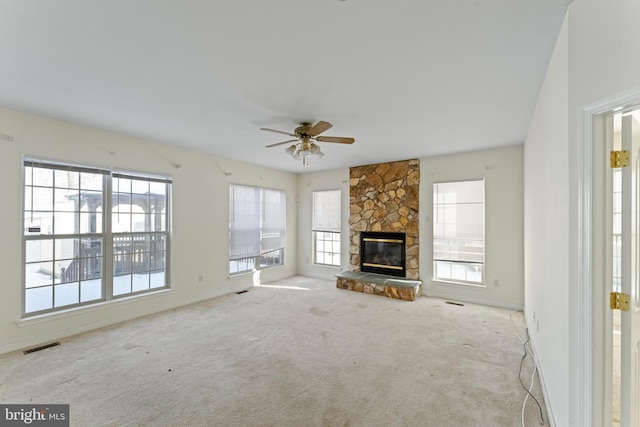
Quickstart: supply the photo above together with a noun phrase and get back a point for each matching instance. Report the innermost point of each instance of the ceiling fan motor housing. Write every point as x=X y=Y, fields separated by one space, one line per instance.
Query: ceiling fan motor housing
x=303 y=129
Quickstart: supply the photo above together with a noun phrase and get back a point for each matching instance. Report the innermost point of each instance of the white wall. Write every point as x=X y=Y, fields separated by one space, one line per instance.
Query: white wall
x=337 y=179
x=547 y=223
x=595 y=58
x=200 y=221
x=502 y=170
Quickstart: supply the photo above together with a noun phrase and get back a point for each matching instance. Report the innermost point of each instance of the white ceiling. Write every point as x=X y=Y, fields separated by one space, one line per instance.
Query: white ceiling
x=406 y=78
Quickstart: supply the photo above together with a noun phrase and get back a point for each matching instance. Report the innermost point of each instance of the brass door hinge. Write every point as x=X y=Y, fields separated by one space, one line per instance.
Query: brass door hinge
x=619 y=159
x=619 y=301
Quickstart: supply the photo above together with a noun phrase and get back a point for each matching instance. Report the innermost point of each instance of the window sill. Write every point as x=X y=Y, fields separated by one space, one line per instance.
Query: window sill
x=76 y=311
x=252 y=272
x=464 y=284
x=337 y=267
x=241 y=274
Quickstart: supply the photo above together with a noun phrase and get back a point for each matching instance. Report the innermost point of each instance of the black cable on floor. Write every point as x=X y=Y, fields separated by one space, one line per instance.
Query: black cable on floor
x=520 y=376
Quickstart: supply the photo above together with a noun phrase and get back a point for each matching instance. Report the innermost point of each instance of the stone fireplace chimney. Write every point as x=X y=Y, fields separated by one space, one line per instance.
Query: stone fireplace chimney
x=384 y=198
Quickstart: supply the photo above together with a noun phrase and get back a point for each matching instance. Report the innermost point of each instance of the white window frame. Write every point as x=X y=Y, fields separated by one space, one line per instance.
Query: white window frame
x=267 y=247
x=85 y=249
x=458 y=256
x=325 y=230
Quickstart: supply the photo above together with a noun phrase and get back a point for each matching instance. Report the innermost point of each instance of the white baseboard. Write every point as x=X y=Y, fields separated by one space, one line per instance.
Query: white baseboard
x=39 y=338
x=543 y=386
x=479 y=301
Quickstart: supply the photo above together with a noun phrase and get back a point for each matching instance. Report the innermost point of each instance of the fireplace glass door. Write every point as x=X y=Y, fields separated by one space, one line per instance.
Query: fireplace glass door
x=383 y=253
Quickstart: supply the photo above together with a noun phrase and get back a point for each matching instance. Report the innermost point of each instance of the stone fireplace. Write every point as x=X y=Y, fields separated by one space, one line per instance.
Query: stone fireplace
x=384 y=199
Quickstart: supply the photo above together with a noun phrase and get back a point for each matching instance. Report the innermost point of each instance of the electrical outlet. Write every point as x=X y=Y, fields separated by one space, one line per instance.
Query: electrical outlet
x=496 y=283
x=200 y=278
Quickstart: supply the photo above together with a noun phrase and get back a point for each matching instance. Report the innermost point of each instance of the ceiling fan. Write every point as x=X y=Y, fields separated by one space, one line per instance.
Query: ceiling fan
x=304 y=145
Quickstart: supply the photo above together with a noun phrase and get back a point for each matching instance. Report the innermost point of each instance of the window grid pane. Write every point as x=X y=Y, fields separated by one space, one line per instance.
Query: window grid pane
x=139 y=249
x=64 y=236
x=326 y=247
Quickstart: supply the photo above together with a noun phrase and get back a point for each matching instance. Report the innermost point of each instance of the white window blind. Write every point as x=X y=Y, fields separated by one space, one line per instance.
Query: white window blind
x=326 y=211
x=273 y=227
x=257 y=223
x=244 y=222
x=458 y=230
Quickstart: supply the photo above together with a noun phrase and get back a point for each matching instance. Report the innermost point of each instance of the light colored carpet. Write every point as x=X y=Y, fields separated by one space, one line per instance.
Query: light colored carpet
x=297 y=352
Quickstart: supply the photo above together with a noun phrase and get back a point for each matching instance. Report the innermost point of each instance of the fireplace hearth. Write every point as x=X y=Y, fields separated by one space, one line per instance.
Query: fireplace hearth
x=383 y=253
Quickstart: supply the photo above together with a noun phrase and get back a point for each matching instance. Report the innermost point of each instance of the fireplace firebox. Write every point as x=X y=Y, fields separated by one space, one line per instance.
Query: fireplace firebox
x=383 y=253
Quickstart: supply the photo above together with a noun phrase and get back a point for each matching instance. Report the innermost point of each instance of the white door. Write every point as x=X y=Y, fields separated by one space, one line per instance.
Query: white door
x=630 y=320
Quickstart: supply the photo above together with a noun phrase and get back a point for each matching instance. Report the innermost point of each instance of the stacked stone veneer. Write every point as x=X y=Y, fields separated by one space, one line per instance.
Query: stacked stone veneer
x=406 y=291
x=384 y=197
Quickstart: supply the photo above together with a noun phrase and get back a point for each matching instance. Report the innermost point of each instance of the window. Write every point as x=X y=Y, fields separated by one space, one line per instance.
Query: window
x=139 y=226
x=458 y=231
x=617 y=230
x=326 y=227
x=75 y=254
x=257 y=221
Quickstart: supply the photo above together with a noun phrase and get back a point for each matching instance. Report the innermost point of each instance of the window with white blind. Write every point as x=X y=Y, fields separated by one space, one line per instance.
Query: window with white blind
x=458 y=231
x=257 y=222
x=75 y=253
x=326 y=227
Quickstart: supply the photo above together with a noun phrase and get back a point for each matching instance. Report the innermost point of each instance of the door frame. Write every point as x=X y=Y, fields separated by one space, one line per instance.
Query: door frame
x=594 y=330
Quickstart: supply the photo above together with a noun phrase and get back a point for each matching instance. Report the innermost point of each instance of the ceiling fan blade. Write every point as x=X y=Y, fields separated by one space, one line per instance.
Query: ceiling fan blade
x=319 y=127
x=281 y=143
x=338 y=139
x=279 y=131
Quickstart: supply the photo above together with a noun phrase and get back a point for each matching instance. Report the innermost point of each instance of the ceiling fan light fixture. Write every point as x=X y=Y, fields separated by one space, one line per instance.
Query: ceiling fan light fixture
x=304 y=146
x=302 y=151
